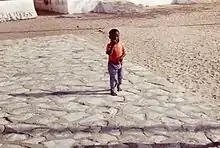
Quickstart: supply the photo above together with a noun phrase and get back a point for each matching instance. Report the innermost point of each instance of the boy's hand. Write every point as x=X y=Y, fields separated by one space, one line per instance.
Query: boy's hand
x=109 y=52
x=121 y=58
x=113 y=42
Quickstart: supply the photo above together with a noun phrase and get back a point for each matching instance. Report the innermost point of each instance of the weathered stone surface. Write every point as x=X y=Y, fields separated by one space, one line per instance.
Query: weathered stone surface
x=148 y=102
x=3 y=114
x=44 y=120
x=195 y=138
x=15 y=137
x=158 y=138
x=19 y=127
x=22 y=110
x=67 y=143
x=92 y=119
x=81 y=135
x=13 y=106
x=57 y=113
x=75 y=106
x=21 y=117
x=11 y=146
x=36 y=140
x=3 y=121
x=115 y=132
x=2 y=128
x=120 y=121
x=91 y=100
x=75 y=116
x=103 y=138
x=133 y=136
x=59 y=97
x=131 y=109
x=214 y=135
x=138 y=116
x=66 y=99
x=88 y=142
x=58 y=134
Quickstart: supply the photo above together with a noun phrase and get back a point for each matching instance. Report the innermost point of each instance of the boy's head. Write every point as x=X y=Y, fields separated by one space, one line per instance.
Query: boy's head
x=114 y=35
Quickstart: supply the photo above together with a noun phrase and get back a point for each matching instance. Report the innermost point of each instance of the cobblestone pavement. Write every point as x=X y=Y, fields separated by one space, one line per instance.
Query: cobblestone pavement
x=54 y=93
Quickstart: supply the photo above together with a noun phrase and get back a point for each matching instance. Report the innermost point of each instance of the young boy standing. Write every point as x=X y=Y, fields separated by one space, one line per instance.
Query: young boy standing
x=116 y=53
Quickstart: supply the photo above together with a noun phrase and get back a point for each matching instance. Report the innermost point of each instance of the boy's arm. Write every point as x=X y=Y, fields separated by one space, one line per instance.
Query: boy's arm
x=123 y=53
x=109 y=49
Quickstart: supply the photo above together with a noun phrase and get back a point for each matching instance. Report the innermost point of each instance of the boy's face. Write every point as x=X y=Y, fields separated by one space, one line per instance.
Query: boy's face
x=114 y=37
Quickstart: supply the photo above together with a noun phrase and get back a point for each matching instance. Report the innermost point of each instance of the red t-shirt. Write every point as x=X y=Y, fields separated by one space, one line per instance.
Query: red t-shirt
x=117 y=52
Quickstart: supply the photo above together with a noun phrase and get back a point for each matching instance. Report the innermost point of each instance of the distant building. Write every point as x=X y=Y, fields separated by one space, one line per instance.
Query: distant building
x=60 y=6
x=11 y=10
x=84 y=6
x=25 y=9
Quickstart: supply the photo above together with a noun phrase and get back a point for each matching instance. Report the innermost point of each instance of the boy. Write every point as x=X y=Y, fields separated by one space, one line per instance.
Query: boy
x=116 y=53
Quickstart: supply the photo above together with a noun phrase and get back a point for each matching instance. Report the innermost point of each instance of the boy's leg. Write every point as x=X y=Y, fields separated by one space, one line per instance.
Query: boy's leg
x=113 y=77
x=120 y=78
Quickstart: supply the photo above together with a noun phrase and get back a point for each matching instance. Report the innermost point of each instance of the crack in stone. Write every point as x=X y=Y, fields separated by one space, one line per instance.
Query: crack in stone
x=210 y=139
x=7 y=119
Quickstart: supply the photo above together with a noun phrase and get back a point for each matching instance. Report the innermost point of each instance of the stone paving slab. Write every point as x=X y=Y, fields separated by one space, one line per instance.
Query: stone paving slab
x=54 y=93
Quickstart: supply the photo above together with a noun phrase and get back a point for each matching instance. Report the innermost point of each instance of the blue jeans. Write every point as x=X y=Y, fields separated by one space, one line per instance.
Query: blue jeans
x=116 y=75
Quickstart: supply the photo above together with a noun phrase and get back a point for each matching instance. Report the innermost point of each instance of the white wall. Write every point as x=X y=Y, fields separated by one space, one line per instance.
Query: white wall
x=55 y=5
x=81 y=6
x=84 y=6
x=151 y=2
x=17 y=10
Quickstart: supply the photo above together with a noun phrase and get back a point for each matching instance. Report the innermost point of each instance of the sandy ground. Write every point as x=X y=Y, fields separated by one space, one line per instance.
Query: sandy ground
x=181 y=43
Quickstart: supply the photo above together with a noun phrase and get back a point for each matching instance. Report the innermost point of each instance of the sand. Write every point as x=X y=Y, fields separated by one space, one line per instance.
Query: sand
x=180 y=43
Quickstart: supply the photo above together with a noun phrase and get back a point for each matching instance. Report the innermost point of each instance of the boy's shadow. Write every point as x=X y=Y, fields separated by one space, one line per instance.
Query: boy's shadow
x=99 y=92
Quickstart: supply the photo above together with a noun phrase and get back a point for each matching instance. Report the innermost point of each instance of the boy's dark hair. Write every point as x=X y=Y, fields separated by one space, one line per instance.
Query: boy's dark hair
x=112 y=31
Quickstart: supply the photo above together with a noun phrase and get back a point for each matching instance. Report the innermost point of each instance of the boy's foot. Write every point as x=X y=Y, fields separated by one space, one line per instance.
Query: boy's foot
x=119 y=88
x=113 y=93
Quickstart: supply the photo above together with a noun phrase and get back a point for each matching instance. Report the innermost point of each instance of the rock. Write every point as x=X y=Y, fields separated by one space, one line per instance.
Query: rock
x=57 y=113
x=103 y=138
x=137 y=116
x=152 y=115
x=45 y=119
x=13 y=106
x=75 y=106
x=3 y=114
x=3 y=121
x=91 y=100
x=36 y=140
x=162 y=98
x=21 y=117
x=88 y=142
x=81 y=135
x=2 y=128
x=115 y=132
x=120 y=121
x=11 y=146
x=66 y=99
x=159 y=92
x=130 y=108
x=195 y=138
x=157 y=138
x=15 y=137
x=19 y=127
x=214 y=135
x=57 y=134
x=75 y=116
x=92 y=119
x=148 y=102
x=159 y=109
x=67 y=143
